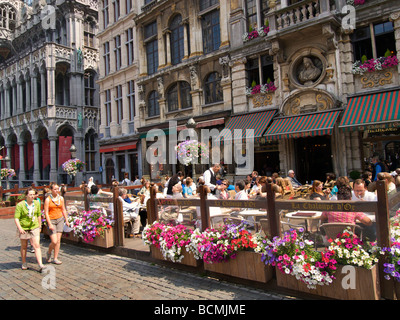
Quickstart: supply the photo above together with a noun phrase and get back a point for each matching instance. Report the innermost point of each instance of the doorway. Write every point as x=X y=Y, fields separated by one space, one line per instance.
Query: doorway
x=110 y=171
x=313 y=158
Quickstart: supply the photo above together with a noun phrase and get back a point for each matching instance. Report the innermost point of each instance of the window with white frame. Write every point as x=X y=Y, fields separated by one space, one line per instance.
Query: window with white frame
x=129 y=46
x=131 y=99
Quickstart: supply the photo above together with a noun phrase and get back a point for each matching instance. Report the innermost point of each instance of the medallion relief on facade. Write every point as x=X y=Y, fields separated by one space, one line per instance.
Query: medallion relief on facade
x=307 y=69
x=376 y=79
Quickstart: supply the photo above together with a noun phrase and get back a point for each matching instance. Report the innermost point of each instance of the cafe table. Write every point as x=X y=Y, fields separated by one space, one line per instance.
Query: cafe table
x=307 y=216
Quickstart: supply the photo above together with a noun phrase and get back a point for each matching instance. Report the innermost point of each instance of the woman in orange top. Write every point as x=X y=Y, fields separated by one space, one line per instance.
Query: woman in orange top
x=56 y=215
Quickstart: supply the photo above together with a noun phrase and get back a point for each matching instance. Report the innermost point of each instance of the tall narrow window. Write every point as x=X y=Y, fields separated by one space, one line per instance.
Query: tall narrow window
x=90 y=87
x=90 y=151
x=256 y=12
x=177 y=40
x=107 y=105
x=153 y=106
x=106 y=58
x=178 y=96
x=150 y=38
x=118 y=101
x=131 y=99
x=129 y=46
x=116 y=10
x=89 y=33
x=260 y=70
x=117 y=52
x=212 y=88
x=106 y=18
x=211 y=31
x=128 y=6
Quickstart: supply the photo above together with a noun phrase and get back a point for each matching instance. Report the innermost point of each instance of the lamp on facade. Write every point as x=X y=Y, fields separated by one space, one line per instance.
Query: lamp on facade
x=72 y=149
x=191 y=124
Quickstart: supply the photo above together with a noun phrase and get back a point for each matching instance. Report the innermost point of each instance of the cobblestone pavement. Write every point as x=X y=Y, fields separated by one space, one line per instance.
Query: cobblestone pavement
x=93 y=275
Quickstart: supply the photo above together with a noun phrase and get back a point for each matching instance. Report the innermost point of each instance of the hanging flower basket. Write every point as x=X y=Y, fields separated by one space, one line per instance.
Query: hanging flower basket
x=7 y=173
x=73 y=166
x=191 y=151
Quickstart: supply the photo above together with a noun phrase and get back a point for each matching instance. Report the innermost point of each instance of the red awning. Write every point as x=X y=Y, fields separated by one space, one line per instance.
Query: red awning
x=118 y=147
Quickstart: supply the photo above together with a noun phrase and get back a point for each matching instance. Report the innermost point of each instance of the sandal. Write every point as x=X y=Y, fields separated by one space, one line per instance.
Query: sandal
x=138 y=235
x=56 y=261
x=24 y=266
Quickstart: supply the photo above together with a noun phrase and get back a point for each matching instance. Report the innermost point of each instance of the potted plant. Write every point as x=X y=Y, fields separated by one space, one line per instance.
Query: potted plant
x=302 y=268
x=93 y=227
x=392 y=254
x=231 y=251
x=190 y=151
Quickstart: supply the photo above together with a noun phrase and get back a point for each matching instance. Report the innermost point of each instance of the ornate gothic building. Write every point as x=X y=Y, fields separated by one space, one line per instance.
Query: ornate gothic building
x=48 y=91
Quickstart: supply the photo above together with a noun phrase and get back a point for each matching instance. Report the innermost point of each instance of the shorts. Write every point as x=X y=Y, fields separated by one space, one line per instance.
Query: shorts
x=58 y=224
x=29 y=234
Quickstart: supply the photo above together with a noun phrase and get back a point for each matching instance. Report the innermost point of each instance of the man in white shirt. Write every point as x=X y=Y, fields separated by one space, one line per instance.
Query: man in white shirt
x=210 y=178
x=360 y=192
x=131 y=211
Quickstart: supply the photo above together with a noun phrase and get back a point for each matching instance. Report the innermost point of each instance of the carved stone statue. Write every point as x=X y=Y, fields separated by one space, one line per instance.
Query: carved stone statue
x=308 y=72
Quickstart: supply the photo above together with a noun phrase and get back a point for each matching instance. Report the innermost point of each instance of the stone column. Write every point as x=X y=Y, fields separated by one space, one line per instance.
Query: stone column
x=168 y=47
x=2 y=109
x=14 y=100
x=185 y=39
x=223 y=23
x=42 y=102
x=53 y=159
x=36 y=161
x=7 y=101
x=34 y=103
x=19 y=97
x=22 y=175
x=50 y=87
x=239 y=98
x=28 y=94
x=125 y=110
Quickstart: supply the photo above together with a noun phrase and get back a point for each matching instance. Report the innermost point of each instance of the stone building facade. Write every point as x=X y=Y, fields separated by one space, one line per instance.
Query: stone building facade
x=48 y=92
x=284 y=68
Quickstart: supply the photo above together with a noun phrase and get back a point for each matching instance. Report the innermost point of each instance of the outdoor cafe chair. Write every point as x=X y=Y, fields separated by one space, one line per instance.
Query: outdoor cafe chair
x=332 y=229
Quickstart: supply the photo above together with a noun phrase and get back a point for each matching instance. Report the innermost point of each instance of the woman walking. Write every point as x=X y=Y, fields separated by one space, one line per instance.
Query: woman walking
x=56 y=215
x=28 y=220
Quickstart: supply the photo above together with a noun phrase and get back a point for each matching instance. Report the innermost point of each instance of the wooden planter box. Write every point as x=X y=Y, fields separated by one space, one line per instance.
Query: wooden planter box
x=397 y=289
x=188 y=258
x=246 y=265
x=70 y=236
x=366 y=285
x=104 y=242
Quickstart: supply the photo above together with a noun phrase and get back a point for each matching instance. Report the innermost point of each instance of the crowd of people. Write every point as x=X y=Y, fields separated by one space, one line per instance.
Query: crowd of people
x=28 y=212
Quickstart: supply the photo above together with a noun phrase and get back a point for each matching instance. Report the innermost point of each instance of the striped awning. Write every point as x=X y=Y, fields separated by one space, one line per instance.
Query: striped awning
x=306 y=125
x=372 y=111
x=258 y=121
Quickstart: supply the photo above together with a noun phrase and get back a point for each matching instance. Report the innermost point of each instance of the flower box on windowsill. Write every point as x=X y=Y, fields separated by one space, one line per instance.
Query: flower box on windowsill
x=377 y=79
x=366 y=284
x=246 y=265
x=188 y=259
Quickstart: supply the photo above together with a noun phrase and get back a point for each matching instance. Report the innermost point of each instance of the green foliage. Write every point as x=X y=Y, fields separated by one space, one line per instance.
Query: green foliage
x=388 y=53
x=364 y=58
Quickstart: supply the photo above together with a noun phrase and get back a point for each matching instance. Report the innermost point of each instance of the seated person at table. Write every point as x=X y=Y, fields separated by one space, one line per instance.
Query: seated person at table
x=94 y=190
x=293 y=180
x=317 y=193
x=240 y=191
x=344 y=193
x=341 y=181
x=330 y=180
x=223 y=193
x=131 y=211
x=360 y=192
x=189 y=188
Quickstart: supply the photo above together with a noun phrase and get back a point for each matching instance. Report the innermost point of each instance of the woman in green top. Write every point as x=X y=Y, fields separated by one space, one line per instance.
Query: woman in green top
x=28 y=220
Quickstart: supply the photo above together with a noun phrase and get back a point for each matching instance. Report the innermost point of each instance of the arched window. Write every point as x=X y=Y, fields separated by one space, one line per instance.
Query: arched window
x=8 y=16
x=177 y=40
x=178 y=96
x=212 y=88
x=90 y=151
x=153 y=106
